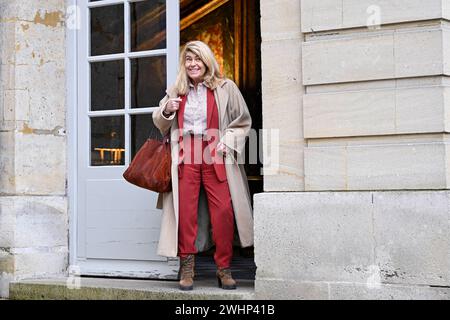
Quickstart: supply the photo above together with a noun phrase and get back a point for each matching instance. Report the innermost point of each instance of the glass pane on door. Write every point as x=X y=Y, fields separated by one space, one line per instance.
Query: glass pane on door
x=148 y=81
x=107 y=141
x=107 y=85
x=107 y=30
x=142 y=128
x=148 y=25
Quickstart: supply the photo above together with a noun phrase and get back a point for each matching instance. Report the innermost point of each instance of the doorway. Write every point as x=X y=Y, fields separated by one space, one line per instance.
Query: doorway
x=232 y=29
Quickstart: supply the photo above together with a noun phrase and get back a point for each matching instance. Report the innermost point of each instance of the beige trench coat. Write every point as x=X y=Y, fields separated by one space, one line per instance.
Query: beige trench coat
x=234 y=126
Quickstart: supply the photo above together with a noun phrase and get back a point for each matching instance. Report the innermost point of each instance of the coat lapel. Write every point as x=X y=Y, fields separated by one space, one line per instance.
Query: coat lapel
x=221 y=96
x=210 y=106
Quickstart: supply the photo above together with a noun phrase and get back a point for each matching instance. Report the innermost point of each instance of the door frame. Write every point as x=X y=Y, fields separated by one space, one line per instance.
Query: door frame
x=72 y=102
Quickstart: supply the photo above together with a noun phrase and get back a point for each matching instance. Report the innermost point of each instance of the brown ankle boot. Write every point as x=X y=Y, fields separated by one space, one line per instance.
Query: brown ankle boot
x=225 y=280
x=187 y=272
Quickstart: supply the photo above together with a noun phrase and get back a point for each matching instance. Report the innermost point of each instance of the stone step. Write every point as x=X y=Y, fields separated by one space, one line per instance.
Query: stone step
x=125 y=289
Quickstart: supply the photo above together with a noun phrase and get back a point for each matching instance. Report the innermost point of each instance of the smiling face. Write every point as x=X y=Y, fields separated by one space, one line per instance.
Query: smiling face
x=195 y=67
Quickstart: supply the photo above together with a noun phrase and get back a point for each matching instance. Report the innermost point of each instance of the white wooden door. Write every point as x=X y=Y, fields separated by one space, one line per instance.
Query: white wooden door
x=127 y=55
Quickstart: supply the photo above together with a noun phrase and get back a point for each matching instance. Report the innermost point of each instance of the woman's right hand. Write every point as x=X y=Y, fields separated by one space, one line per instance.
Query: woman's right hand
x=173 y=105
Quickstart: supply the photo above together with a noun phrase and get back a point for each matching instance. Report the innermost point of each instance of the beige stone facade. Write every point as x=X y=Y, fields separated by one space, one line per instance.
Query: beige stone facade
x=359 y=91
x=33 y=168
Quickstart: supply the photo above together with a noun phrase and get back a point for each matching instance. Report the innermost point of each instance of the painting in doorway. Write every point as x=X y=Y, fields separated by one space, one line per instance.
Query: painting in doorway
x=217 y=30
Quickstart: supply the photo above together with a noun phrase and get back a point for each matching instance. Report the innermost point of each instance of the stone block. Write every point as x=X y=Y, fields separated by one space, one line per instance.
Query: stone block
x=419 y=52
x=355 y=291
x=447 y=156
x=326 y=169
x=446 y=47
x=33 y=235
x=384 y=55
x=368 y=245
x=349 y=113
x=321 y=15
x=375 y=111
x=6 y=261
x=17 y=105
x=445 y=9
x=46 y=92
x=281 y=289
x=379 y=163
x=7 y=174
x=40 y=163
x=447 y=109
x=28 y=36
x=33 y=44
x=331 y=14
x=40 y=264
x=313 y=236
x=280 y=20
x=288 y=175
x=281 y=79
x=281 y=85
x=7 y=222
x=362 y=13
x=49 y=13
x=397 y=167
x=420 y=110
x=411 y=232
x=8 y=105
x=5 y=279
x=7 y=41
x=22 y=105
x=41 y=222
x=347 y=59
x=6 y=83
x=271 y=289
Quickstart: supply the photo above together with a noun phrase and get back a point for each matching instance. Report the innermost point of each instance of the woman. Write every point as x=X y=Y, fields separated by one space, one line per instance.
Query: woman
x=208 y=121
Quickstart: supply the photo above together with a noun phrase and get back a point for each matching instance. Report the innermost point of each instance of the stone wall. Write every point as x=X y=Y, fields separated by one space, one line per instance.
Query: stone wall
x=282 y=90
x=368 y=214
x=353 y=245
x=33 y=199
x=359 y=207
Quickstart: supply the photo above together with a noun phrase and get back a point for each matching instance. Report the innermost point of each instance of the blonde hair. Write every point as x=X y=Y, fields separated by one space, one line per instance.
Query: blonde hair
x=212 y=76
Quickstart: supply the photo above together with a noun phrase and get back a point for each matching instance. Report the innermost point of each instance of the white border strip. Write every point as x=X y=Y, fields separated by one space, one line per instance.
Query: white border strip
x=72 y=126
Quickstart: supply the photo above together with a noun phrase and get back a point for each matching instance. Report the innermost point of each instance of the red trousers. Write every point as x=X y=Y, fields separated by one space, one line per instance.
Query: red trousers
x=196 y=171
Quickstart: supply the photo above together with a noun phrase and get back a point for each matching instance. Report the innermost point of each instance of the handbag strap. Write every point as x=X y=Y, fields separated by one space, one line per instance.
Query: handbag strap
x=154 y=133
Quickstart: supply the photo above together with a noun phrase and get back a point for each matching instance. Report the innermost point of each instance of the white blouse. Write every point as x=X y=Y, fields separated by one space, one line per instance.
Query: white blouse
x=195 y=111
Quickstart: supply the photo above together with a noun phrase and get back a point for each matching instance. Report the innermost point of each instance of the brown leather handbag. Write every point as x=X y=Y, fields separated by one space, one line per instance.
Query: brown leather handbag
x=151 y=166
